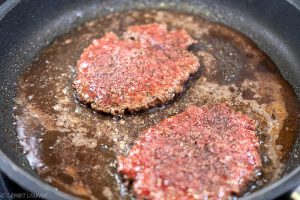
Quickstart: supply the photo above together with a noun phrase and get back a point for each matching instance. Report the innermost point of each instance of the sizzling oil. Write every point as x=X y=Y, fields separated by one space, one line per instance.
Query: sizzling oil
x=75 y=149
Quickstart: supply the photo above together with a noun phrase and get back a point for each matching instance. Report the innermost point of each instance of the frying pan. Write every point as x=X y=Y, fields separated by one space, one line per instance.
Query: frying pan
x=28 y=26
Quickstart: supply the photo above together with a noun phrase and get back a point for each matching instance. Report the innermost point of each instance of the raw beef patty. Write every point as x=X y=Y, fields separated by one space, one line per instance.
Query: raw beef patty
x=201 y=153
x=146 y=67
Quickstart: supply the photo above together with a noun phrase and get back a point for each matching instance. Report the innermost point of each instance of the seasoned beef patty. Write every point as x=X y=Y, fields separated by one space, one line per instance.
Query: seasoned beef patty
x=201 y=153
x=144 y=68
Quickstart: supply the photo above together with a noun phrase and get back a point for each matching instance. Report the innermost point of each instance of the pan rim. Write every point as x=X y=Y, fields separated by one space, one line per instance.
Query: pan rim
x=8 y=167
x=37 y=186
x=29 y=182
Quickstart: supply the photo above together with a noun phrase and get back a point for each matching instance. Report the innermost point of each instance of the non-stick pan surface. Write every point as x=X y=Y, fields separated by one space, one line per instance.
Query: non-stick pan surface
x=28 y=26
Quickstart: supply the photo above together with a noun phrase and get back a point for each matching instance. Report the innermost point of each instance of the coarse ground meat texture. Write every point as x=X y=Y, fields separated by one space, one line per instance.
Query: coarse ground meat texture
x=148 y=66
x=201 y=153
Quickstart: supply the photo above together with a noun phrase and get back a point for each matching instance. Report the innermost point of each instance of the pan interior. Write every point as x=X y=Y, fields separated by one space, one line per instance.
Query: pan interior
x=28 y=47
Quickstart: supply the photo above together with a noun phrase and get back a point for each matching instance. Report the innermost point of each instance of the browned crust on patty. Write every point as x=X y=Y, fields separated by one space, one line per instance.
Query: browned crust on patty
x=201 y=153
x=148 y=66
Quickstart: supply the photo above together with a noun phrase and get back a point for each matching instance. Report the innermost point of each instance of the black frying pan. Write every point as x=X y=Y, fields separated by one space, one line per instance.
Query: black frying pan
x=28 y=26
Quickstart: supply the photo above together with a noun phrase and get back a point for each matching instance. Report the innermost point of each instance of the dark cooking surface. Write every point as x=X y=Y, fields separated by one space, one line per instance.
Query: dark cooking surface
x=74 y=148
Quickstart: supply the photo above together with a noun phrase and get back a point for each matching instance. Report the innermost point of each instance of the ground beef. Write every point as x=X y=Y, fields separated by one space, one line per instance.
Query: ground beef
x=146 y=67
x=201 y=153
